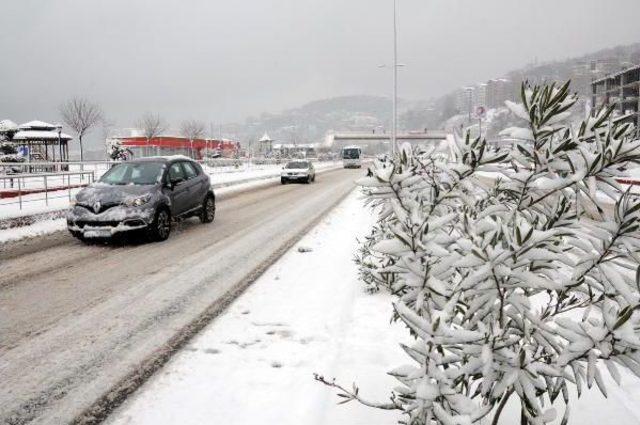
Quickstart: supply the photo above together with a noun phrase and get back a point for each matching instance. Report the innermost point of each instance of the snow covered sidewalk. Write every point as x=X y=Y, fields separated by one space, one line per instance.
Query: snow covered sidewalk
x=308 y=313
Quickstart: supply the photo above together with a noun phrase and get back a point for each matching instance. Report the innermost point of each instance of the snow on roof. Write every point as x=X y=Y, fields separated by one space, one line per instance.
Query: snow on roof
x=7 y=125
x=173 y=157
x=39 y=135
x=266 y=138
x=615 y=75
x=37 y=125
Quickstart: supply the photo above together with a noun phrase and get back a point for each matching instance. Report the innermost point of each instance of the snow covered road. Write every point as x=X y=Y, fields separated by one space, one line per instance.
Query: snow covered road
x=76 y=320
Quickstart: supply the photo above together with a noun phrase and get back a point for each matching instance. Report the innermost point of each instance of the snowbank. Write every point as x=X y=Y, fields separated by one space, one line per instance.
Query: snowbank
x=36 y=229
x=308 y=313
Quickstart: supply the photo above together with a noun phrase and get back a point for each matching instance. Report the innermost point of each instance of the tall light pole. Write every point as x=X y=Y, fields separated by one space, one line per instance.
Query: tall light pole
x=394 y=125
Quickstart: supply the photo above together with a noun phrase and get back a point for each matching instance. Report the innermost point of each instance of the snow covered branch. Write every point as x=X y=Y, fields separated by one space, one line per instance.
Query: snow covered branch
x=516 y=267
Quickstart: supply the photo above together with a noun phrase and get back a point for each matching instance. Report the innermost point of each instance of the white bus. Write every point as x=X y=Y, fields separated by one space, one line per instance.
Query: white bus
x=351 y=157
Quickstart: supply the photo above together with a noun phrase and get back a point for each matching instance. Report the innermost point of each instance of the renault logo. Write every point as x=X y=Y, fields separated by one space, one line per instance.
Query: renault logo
x=96 y=207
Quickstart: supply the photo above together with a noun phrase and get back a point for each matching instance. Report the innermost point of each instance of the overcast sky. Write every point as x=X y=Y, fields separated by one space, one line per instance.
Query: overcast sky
x=222 y=60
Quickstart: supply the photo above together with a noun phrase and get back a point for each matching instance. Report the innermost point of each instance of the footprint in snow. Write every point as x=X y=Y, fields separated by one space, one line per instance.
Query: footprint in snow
x=243 y=344
x=282 y=333
x=268 y=324
x=305 y=341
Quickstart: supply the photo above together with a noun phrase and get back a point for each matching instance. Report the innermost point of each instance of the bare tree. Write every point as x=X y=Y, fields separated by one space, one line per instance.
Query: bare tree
x=192 y=129
x=152 y=125
x=107 y=128
x=81 y=116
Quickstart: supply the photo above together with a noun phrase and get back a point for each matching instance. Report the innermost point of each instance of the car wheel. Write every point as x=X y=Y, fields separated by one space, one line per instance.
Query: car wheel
x=161 y=226
x=283 y=180
x=208 y=212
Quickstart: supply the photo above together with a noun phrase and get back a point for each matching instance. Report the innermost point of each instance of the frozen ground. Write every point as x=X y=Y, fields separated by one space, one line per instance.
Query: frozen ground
x=308 y=313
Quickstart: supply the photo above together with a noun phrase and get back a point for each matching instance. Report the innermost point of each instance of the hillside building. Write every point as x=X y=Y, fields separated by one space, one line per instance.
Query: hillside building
x=621 y=89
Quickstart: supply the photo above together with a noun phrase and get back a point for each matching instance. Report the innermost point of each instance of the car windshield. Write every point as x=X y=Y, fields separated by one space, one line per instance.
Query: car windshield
x=140 y=173
x=297 y=165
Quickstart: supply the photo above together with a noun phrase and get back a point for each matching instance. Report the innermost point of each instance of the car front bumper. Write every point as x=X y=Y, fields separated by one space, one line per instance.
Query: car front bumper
x=297 y=176
x=83 y=222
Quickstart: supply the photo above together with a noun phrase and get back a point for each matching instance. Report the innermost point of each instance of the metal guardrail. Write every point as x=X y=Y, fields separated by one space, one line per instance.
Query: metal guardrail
x=53 y=167
x=56 y=167
x=17 y=182
x=39 y=177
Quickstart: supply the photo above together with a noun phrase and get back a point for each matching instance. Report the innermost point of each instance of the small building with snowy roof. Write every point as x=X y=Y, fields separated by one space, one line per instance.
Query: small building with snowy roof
x=41 y=139
x=265 y=144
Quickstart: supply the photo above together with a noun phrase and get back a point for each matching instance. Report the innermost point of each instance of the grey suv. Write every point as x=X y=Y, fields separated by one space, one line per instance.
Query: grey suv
x=144 y=195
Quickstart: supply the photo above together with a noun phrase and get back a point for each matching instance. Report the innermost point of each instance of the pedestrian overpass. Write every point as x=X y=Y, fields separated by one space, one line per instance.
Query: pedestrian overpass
x=375 y=143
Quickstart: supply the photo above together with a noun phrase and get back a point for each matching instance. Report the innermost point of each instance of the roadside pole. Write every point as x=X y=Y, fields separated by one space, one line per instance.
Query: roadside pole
x=394 y=127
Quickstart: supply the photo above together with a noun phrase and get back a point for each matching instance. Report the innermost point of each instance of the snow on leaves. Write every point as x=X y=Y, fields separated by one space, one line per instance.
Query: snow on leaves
x=526 y=283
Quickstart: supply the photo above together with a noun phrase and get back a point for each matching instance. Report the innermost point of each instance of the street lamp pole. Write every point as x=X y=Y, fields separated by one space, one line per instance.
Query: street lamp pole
x=394 y=126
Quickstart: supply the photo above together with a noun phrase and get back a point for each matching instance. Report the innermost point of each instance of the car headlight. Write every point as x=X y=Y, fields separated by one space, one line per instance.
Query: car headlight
x=137 y=202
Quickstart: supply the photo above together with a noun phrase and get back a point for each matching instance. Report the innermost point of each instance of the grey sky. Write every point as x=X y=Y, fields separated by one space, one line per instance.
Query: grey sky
x=224 y=60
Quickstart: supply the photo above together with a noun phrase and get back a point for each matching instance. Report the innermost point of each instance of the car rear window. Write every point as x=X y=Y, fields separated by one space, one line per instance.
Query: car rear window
x=298 y=164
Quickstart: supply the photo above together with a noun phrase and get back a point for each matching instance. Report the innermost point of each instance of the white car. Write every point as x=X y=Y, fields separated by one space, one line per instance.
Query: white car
x=298 y=170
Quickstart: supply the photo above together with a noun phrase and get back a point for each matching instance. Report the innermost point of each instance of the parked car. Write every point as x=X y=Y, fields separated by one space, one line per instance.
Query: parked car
x=142 y=195
x=298 y=170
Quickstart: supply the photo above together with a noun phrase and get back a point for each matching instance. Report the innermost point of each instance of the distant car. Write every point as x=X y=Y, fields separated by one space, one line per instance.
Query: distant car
x=142 y=195
x=298 y=170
